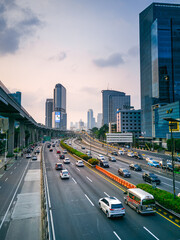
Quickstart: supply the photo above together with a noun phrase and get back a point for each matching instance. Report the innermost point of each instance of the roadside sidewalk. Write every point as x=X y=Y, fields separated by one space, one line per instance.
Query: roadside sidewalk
x=25 y=220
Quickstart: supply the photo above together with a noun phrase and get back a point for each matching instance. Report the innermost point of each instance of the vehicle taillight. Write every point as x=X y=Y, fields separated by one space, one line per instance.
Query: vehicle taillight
x=111 y=209
x=122 y=208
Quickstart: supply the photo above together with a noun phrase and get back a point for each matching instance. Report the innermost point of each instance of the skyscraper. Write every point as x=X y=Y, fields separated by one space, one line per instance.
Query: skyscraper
x=90 y=119
x=99 y=120
x=59 y=107
x=48 y=112
x=111 y=101
x=159 y=59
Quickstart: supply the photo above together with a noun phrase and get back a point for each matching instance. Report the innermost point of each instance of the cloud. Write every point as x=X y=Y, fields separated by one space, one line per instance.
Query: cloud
x=59 y=57
x=16 y=23
x=113 y=60
x=133 y=51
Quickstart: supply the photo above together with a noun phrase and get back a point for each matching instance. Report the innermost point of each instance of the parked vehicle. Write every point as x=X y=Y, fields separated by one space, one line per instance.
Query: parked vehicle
x=135 y=167
x=124 y=172
x=112 y=207
x=151 y=178
x=140 y=200
x=112 y=159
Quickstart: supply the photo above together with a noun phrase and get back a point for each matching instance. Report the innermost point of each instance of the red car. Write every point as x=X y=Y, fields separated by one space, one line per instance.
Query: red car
x=58 y=152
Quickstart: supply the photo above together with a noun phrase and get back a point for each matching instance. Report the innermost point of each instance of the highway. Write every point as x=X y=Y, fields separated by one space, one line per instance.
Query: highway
x=136 y=177
x=76 y=214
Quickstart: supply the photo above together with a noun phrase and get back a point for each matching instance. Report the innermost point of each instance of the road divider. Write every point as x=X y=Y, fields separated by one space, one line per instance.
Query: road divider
x=116 y=178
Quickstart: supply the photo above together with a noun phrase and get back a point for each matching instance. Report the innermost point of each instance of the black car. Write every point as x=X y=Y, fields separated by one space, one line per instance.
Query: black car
x=51 y=150
x=151 y=178
x=114 y=153
x=135 y=167
x=58 y=166
x=82 y=147
x=138 y=156
x=104 y=163
x=124 y=172
x=48 y=146
x=62 y=156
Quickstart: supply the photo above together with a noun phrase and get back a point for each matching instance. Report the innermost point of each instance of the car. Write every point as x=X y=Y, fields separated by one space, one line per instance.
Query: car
x=49 y=145
x=62 y=156
x=112 y=159
x=64 y=174
x=124 y=172
x=58 y=152
x=89 y=155
x=53 y=145
x=50 y=150
x=66 y=160
x=104 y=163
x=100 y=157
x=28 y=155
x=130 y=154
x=177 y=159
x=58 y=166
x=135 y=167
x=151 y=178
x=153 y=163
x=34 y=158
x=169 y=167
x=120 y=152
x=82 y=147
x=79 y=163
x=64 y=151
x=138 y=156
x=114 y=153
x=37 y=151
x=112 y=207
x=149 y=159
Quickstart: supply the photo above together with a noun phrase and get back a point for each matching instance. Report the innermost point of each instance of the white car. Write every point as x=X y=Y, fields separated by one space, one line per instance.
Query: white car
x=34 y=158
x=100 y=157
x=66 y=160
x=28 y=155
x=64 y=174
x=120 y=152
x=64 y=151
x=79 y=163
x=112 y=207
x=130 y=154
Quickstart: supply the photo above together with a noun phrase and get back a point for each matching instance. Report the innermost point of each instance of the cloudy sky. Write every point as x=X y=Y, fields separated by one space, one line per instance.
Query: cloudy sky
x=86 y=45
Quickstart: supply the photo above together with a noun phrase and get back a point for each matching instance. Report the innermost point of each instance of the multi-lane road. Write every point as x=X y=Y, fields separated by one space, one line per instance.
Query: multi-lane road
x=75 y=210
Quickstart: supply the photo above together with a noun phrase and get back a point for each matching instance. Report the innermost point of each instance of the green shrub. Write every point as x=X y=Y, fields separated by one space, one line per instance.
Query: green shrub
x=9 y=155
x=163 y=197
x=93 y=161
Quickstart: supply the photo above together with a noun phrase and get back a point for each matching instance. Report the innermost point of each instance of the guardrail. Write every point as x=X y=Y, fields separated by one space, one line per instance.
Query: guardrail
x=116 y=178
x=47 y=220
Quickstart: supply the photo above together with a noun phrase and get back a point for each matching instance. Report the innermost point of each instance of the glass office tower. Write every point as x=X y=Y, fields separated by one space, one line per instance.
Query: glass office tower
x=111 y=101
x=159 y=59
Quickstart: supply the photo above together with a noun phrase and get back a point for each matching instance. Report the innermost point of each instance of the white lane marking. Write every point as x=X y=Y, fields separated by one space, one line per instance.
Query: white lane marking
x=169 y=185
x=151 y=233
x=116 y=235
x=74 y=180
x=89 y=200
x=11 y=172
x=6 y=179
x=106 y=194
x=15 y=168
x=89 y=179
x=78 y=169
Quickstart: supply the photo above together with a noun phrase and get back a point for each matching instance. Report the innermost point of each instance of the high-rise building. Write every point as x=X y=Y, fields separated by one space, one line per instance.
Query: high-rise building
x=99 y=120
x=48 y=112
x=17 y=97
x=59 y=107
x=90 y=119
x=111 y=101
x=159 y=59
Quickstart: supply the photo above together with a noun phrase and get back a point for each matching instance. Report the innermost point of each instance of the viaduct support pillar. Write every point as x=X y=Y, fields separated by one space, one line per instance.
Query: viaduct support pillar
x=11 y=137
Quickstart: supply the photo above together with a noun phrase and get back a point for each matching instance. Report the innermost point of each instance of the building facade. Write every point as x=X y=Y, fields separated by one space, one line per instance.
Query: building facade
x=129 y=121
x=48 y=112
x=111 y=101
x=99 y=120
x=17 y=97
x=59 y=115
x=90 y=119
x=159 y=59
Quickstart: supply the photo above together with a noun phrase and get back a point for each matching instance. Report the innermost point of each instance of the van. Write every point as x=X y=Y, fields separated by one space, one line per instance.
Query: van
x=140 y=200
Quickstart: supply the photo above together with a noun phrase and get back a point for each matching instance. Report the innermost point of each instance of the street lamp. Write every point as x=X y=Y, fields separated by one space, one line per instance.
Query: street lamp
x=173 y=125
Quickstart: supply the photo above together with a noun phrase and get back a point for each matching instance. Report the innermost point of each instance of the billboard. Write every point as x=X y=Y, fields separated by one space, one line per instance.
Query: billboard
x=119 y=137
x=57 y=117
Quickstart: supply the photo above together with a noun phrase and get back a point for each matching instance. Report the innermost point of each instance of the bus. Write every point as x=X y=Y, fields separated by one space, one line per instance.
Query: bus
x=140 y=200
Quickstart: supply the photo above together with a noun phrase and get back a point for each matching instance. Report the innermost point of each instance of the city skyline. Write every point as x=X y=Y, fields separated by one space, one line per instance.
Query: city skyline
x=87 y=47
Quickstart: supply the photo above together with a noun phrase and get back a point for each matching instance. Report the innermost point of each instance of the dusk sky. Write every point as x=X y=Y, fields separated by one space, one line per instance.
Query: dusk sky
x=86 y=45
